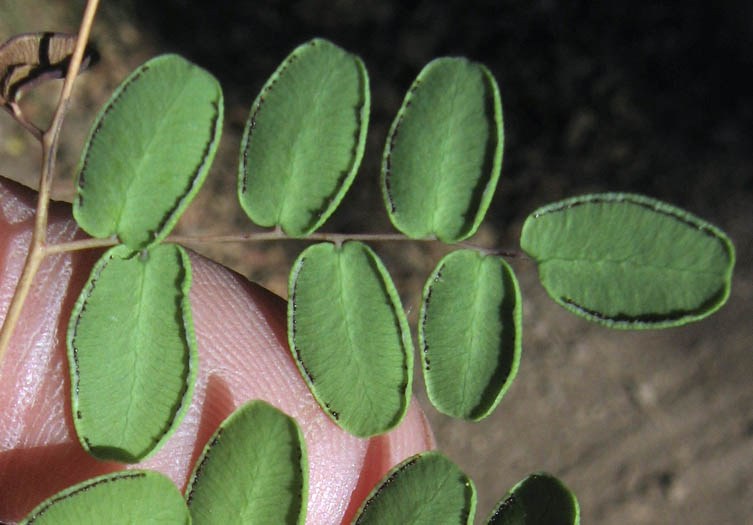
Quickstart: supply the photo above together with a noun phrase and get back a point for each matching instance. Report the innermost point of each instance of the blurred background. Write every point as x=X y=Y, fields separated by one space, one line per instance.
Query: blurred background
x=651 y=427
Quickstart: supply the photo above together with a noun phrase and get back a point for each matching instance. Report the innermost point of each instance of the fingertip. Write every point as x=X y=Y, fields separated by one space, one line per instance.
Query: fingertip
x=412 y=436
x=243 y=355
x=39 y=453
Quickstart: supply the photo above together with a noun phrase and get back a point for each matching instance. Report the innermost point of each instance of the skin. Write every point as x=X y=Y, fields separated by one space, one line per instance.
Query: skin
x=243 y=355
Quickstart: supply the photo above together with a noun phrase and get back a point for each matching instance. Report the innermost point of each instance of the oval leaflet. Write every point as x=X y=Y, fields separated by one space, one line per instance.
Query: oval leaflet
x=443 y=153
x=132 y=352
x=119 y=498
x=425 y=488
x=304 y=138
x=149 y=152
x=253 y=469
x=349 y=337
x=470 y=333
x=539 y=499
x=628 y=261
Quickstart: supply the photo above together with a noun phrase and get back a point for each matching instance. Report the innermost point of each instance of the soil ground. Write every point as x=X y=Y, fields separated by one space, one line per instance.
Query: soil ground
x=646 y=427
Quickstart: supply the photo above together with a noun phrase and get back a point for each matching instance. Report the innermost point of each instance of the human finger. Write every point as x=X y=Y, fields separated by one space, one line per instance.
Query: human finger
x=243 y=355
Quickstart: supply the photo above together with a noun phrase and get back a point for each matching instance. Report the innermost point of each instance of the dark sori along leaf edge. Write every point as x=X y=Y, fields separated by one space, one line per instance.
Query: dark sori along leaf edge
x=142 y=238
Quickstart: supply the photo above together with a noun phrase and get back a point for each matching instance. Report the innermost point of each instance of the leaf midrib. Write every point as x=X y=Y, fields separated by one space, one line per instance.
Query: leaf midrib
x=442 y=179
x=294 y=161
x=471 y=331
x=155 y=139
x=352 y=353
x=627 y=262
x=136 y=354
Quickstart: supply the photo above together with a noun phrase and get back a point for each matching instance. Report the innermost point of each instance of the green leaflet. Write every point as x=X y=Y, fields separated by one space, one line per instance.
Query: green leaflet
x=132 y=352
x=119 y=498
x=304 y=138
x=628 y=261
x=349 y=337
x=470 y=333
x=253 y=470
x=426 y=488
x=444 y=151
x=148 y=152
x=539 y=499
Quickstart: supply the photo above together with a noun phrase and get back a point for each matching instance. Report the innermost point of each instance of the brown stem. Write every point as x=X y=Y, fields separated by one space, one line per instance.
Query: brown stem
x=50 y=138
x=272 y=235
x=278 y=235
x=15 y=110
x=82 y=244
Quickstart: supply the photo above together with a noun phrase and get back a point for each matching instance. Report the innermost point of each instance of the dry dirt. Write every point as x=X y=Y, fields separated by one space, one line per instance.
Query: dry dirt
x=647 y=428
